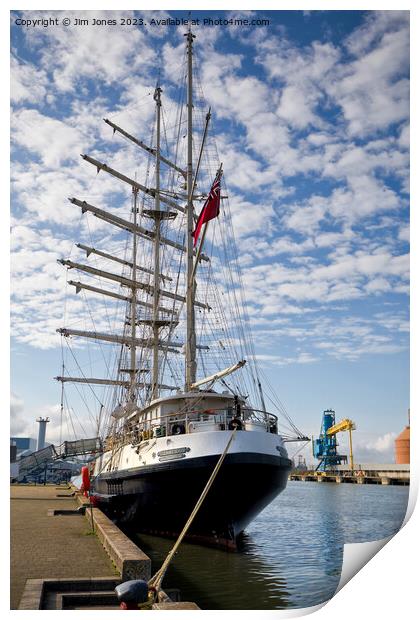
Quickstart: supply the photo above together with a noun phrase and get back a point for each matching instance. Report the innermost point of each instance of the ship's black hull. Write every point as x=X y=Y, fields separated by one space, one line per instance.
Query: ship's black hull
x=159 y=499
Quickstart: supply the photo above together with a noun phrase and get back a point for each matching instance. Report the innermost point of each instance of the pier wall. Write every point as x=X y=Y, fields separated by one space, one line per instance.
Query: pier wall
x=362 y=473
x=130 y=561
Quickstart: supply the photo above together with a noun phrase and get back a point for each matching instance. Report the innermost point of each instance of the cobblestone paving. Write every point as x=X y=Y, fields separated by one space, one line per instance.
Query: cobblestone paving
x=45 y=546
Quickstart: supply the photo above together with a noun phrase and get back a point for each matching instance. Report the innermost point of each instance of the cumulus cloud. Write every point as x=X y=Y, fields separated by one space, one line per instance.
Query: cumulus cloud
x=373 y=90
x=303 y=73
x=313 y=138
x=76 y=53
x=18 y=422
x=50 y=140
x=379 y=449
x=27 y=83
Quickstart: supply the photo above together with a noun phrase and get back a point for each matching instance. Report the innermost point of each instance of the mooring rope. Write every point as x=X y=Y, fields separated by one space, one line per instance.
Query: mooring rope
x=156 y=580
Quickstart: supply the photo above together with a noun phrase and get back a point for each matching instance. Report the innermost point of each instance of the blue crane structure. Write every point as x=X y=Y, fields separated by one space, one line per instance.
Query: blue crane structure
x=325 y=447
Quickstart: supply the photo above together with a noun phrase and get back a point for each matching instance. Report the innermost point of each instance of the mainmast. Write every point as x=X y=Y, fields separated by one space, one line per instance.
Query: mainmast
x=155 y=363
x=190 y=349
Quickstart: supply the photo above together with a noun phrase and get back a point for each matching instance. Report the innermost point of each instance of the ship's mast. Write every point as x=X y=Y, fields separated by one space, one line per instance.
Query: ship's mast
x=154 y=321
x=133 y=309
x=158 y=215
x=190 y=349
x=155 y=363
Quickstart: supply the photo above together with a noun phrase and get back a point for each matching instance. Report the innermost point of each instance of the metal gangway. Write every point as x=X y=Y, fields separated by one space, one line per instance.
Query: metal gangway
x=68 y=449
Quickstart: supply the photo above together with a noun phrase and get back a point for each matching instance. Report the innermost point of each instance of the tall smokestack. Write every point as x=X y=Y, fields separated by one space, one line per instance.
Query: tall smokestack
x=42 y=430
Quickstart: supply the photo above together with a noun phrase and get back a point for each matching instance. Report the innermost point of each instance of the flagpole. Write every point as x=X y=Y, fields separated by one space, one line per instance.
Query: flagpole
x=208 y=116
x=200 y=247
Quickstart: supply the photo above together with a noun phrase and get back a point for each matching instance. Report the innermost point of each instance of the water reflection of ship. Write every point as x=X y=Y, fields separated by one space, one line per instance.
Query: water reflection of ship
x=218 y=580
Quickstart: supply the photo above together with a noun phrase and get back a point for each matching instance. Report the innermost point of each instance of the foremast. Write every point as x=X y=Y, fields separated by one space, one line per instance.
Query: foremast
x=153 y=319
x=158 y=215
x=156 y=266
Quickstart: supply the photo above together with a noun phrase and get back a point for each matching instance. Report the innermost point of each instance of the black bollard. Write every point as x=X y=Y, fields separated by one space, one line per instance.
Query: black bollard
x=132 y=593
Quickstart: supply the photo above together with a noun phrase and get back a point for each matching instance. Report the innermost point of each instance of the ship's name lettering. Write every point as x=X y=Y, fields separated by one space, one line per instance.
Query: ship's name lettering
x=172 y=457
x=173 y=451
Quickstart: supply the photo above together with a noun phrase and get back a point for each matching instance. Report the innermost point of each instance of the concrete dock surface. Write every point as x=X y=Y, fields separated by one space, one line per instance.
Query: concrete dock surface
x=44 y=546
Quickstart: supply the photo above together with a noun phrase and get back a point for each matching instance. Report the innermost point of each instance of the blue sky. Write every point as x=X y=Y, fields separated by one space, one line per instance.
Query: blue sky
x=311 y=115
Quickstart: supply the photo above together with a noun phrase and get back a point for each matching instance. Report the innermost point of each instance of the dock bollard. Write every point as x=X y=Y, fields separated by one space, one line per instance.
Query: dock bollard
x=132 y=593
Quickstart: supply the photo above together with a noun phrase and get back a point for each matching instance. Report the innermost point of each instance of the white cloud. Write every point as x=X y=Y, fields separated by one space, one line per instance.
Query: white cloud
x=303 y=73
x=53 y=141
x=74 y=53
x=307 y=241
x=26 y=82
x=22 y=421
x=376 y=449
x=296 y=107
x=17 y=417
x=369 y=90
x=371 y=31
x=378 y=285
x=247 y=217
x=278 y=360
x=383 y=443
x=404 y=233
x=404 y=139
x=364 y=196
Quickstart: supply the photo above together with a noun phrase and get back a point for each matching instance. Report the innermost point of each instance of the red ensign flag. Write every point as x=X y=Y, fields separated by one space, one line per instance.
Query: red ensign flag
x=210 y=208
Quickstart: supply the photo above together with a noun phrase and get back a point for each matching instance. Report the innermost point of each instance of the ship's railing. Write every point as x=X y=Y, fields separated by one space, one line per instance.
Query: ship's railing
x=178 y=423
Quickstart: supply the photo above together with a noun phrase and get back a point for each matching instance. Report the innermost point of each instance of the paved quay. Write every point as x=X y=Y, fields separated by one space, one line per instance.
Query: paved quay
x=44 y=546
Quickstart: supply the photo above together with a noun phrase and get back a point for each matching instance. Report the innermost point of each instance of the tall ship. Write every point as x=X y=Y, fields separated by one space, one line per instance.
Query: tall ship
x=180 y=370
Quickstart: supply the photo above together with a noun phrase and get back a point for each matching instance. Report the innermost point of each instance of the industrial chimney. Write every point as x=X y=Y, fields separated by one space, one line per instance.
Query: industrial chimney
x=42 y=430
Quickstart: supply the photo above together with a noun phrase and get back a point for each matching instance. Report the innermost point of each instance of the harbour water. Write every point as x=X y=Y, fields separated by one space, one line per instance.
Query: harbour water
x=291 y=554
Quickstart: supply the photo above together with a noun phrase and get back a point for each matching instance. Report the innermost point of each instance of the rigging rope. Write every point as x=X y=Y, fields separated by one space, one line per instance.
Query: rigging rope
x=299 y=450
x=156 y=580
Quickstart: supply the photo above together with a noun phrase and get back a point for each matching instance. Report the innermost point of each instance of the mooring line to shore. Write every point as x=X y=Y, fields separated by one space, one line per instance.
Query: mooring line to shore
x=156 y=581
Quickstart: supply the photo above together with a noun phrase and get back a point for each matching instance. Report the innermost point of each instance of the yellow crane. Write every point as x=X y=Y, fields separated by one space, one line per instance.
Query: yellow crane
x=344 y=425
